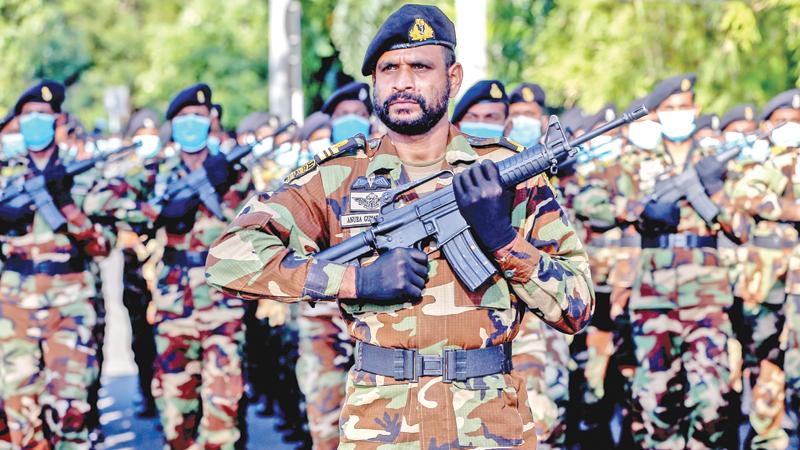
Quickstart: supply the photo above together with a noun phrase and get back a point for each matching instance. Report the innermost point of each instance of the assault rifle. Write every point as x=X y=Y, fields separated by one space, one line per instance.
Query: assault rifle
x=436 y=216
x=34 y=190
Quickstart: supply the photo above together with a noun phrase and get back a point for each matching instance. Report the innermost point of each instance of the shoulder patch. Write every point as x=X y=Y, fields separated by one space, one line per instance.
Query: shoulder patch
x=346 y=147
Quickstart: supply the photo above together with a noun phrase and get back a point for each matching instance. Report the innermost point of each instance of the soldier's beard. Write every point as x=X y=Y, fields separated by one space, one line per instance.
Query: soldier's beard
x=429 y=115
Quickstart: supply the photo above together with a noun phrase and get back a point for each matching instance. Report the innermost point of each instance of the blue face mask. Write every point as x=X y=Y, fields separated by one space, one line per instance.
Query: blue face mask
x=213 y=145
x=149 y=145
x=481 y=129
x=38 y=130
x=191 y=132
x=13 y=145
x=348 y=126
x=525 y=130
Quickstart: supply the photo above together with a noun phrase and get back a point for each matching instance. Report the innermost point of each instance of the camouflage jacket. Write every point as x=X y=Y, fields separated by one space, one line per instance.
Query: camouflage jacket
x=80 y=240
x=266 y=254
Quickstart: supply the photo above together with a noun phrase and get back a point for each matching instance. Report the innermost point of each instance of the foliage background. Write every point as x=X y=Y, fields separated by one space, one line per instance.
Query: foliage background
x=584 y=52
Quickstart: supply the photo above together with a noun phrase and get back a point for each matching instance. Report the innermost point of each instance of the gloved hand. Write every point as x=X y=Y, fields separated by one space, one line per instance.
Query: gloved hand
x=396 y=275
x=218 y=172
x=59 y=185
x=176 y=208
x=659 y=217
x=712 y=174
x=485 y=205
x=11 y=216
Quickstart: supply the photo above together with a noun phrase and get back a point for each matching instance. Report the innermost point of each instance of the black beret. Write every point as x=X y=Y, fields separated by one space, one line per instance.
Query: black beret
x=45 y=91
x=786 y=99
x=198 y=94
x=216 y=110
x=143 y=118
x=572 y=119
x=707 y=121
x=350 y=91
x=8 y=118
x=410 y=26
x=604 y=115
x=527 y=93
x=313 y=123
x=483 y=91
x=739 y=112
x=636 y=104
x=256 y=120
x=673 y=85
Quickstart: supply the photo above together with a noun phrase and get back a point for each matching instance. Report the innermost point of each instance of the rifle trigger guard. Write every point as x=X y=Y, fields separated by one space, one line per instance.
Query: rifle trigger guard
x=388 y=198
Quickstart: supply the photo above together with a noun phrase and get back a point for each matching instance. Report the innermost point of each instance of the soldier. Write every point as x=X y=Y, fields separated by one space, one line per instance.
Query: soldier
x=46 y=308
x=199 y=333
x=769 y=192
x=402 y=304
x=314 y=135
x=681 y=295
x=483 y=110
x=527 y=111
x=326 y=349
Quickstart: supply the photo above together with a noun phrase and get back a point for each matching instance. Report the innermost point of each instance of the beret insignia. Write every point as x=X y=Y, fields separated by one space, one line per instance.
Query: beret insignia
x=362 y=94
x=796 y=101
x=748 y=113
x=201 y=97
x=715 y=122
x=148 y=123
x=46 y=94
x=420 y=31
x=527 y=94
x=495 y=91
x=686 y=84
x=609 y=115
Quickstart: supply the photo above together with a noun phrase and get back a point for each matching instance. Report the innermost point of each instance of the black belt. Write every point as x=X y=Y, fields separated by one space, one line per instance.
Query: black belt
x=680 y=240
x=453 y=365
x=184 y=258
x=772 y=242
x=27 y=267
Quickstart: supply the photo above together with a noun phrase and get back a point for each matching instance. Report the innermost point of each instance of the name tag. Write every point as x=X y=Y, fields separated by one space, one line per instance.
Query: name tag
x=357 y=220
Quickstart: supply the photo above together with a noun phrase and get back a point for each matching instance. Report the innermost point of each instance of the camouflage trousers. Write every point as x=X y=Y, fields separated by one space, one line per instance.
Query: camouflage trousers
x=48 y=364
x=792 y=359
x=682 y=378
x=326 y=354
x=198 y=379
x=541 y=355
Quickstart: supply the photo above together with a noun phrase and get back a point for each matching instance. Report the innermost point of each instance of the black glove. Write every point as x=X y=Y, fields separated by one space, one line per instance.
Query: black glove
x=397 y=275
x=218 y=171
x=59 y=185
x=712 y=174
x=11 y=216
x=660 y=218
x=176 y=208
x=485 y=204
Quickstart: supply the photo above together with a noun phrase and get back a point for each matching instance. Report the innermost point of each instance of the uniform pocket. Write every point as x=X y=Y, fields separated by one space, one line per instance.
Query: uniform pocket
x=375 y=410
x=487 y=412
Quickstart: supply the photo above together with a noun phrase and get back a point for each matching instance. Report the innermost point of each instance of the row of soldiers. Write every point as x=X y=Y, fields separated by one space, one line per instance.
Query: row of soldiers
x=675 y=303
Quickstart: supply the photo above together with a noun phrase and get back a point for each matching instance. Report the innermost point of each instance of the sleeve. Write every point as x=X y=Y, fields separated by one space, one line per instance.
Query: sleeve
x=547 y=267
x=265 y=251
x=94 y=239
x=760 y=194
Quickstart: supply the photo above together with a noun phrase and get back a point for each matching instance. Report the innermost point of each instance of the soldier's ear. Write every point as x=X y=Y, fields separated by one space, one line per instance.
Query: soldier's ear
x=455 y=75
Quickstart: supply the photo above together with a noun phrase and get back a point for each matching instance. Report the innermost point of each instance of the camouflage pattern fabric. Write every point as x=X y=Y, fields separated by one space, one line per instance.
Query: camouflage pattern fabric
x=48 y=365
x=541 y=357
x=326 y=354
x=264 y=254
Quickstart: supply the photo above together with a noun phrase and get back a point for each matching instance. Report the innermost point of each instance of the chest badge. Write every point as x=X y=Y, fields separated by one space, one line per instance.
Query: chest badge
x=365 y=200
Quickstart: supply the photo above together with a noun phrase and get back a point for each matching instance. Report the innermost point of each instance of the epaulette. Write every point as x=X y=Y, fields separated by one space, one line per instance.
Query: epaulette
x=346 y=147
x=499 y=141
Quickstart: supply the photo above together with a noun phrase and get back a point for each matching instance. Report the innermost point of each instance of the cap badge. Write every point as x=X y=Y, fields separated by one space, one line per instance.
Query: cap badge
x=610 y=115
x=715 y=122
x=46 y=94
x=796 y=101
x=527 y=94
x=420 y=31
x=748 y=113
x=362 y=94
x=148 y=123
x=201 y=97
x=495 y=91
x=686 y=84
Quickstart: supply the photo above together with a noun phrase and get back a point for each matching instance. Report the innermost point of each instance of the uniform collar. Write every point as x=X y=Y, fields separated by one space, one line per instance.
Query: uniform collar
x=384 y=156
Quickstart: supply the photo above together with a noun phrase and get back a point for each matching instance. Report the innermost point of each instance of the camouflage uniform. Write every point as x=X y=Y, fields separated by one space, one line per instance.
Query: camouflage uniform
x=46 y=320
x=326 y=354
x=681 y=330
x=198 y=379
x=551 y=278
x=769 y=192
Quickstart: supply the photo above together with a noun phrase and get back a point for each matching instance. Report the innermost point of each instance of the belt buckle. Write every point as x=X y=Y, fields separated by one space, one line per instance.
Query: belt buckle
x=428 y=365
x=678 y=240
x=455 y=365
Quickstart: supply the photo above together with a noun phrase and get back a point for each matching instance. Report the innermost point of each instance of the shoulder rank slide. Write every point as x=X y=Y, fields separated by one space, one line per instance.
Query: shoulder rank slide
x=345 y=147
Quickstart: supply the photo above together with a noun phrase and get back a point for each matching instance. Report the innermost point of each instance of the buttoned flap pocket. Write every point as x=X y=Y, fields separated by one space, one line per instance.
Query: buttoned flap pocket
x=487 y=412
x=376 y=410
